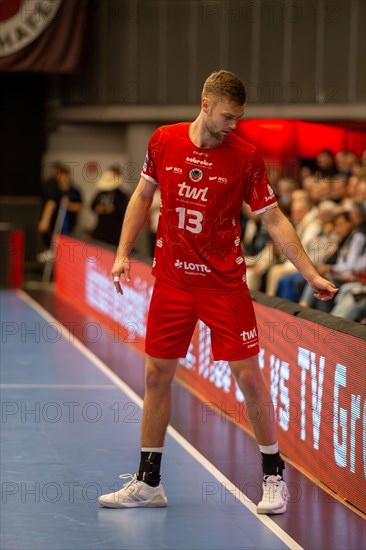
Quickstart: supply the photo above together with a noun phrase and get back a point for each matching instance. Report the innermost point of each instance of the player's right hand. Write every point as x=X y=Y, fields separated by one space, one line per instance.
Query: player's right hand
x=121 y=266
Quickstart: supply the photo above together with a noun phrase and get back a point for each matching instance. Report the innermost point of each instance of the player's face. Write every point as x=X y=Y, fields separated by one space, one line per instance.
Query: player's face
x=222 y=117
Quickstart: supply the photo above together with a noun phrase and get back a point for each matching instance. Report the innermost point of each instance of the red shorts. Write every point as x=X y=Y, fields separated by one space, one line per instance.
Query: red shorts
x=174 y=312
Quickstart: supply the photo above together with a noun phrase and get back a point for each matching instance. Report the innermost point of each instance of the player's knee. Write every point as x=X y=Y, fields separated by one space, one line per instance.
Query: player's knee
x=156 y=379
x=158 y=374
x=247 y=382
x=248 y=376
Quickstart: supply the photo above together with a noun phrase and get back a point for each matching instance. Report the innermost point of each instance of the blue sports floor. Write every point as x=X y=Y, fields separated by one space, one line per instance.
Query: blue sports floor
x=70 y=426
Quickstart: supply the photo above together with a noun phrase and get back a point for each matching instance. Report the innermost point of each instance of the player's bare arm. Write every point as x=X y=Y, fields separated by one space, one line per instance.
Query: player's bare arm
x=285 y=237
x=135 y=218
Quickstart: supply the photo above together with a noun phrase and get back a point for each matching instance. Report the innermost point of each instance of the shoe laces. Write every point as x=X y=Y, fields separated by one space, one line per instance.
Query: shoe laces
x=271 y=485
x=130 y=484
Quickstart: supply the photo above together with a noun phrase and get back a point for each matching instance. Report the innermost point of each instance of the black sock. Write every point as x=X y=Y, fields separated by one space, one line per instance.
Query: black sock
x=272 y=464
x=149 y=470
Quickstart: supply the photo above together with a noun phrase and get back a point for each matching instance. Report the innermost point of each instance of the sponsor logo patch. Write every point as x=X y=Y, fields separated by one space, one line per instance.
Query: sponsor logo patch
x=270 y=193
x=190 y=266
x=192 y=192
x=195 y=175
x=193 y=160
x=249 y=335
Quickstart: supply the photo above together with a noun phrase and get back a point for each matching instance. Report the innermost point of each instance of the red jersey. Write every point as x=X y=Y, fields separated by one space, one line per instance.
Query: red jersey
x=202 y=191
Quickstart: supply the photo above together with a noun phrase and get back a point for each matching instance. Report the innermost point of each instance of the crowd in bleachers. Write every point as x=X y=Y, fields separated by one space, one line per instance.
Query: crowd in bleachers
x=326 y=203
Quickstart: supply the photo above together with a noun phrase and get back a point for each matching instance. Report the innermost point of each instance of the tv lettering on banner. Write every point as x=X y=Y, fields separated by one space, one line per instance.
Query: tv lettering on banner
x=41 y=36
x=316 y=375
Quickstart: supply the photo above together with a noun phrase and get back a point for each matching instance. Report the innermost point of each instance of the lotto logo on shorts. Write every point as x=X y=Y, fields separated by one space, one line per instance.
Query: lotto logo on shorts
x=190 y=266
x=249 y=335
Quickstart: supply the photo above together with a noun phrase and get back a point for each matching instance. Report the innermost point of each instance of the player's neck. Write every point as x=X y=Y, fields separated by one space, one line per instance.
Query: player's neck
x=200 y=136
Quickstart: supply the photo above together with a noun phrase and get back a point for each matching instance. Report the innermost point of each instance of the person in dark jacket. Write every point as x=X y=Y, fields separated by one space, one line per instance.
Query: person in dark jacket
x=62 y=202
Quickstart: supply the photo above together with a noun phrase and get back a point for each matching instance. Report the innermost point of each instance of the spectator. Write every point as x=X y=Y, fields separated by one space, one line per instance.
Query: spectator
x=291 y=286
x=352 y=184
x=350 y=302
x=359 y=193
x=285 y=189
x=358 y=215
x=362 y=173
x=110 y=205
x=325 y=164
x=305 y=171
x=339 y=191
x=305 y=219
x=299 y=194
x=344 y=161
x=50 y=184
x=320 y=190
x=62 y=203
x=259 y=252
x=49 y=188
x=341 y=266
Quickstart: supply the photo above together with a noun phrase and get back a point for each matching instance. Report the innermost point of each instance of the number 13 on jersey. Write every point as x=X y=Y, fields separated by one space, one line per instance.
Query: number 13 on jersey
x=190 y=220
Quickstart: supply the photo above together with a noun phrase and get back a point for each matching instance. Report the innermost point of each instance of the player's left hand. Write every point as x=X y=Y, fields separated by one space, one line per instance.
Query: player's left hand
x=325 y=290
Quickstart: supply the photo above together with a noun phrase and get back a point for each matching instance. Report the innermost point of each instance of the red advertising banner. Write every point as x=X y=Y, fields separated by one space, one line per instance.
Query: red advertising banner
x=282 y=141
x=316 y=375
x=16 y=258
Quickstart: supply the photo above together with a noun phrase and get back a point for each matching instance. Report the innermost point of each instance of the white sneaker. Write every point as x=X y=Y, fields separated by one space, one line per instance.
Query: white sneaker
x=275 y=496
x=135 y=494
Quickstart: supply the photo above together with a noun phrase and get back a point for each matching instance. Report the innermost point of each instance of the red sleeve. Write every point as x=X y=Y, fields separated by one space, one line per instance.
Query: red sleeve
x=258 y=192
x=149 y=169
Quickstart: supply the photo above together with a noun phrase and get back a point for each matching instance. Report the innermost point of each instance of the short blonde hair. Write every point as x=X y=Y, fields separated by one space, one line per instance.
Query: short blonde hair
x=225 y=84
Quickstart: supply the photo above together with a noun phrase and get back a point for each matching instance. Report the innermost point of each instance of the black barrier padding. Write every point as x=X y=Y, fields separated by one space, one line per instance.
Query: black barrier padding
x=334 y=323
x=313 y=315
x=277 y=303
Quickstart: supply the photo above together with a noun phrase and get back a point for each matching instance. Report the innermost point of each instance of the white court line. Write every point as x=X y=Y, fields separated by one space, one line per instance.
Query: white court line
x=59 y=386
x=229 y=486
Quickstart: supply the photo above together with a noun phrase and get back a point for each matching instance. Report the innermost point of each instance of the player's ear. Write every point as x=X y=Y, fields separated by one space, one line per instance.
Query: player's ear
x=205 y=104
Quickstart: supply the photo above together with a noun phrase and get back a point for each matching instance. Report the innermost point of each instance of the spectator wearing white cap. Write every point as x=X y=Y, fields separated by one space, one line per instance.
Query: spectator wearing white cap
x=110 y=205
